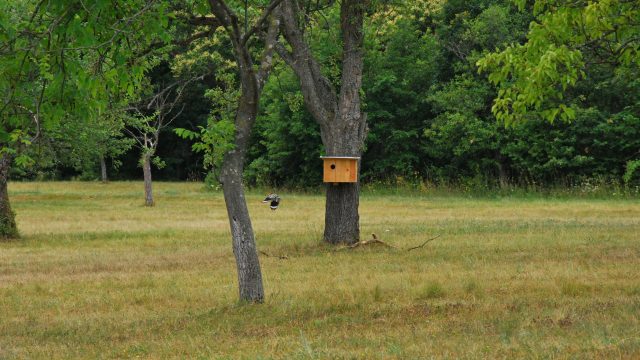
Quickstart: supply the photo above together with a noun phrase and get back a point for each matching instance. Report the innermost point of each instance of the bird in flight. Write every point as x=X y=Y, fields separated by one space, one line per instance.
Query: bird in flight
x=274 y=199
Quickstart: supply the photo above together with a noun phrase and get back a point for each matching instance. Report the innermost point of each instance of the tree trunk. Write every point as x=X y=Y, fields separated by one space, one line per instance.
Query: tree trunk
x=243 y=240
x=146 y=169
x=103 y=169
x=8 y=228
x=343 y=125
x=502 y=173
x=341 y=219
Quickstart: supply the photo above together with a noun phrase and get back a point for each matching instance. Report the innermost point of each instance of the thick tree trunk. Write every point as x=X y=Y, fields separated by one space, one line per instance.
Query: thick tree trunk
x=148 y=190
x=341 y=219
x=342 y=123
x=8 y=228
x=103 y=169
x=348 y=130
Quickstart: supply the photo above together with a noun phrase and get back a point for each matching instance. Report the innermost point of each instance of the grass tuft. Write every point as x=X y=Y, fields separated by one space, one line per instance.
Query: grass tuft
x=433 y=290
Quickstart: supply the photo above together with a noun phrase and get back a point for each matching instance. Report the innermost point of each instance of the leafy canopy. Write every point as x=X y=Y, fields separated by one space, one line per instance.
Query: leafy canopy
x=566 y=40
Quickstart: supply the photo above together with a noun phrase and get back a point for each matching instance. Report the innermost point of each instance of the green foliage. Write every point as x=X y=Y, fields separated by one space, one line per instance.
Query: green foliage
x=431 y=114
x=213 y=141
x=217 y=138
x=566 y=36
x=286 y=146
x=400 y=68
x=66 y=60
x=632 y=172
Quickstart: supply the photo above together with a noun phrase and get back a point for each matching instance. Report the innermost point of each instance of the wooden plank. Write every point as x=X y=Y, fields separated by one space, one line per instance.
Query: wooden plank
x=341 y=167
x=353 y=174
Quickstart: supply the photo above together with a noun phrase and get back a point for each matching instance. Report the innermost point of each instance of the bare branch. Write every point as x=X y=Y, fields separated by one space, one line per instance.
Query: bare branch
x=424 y=243
x=320 y=95
x=266 y=63
x=285 y=54
x=205 y=21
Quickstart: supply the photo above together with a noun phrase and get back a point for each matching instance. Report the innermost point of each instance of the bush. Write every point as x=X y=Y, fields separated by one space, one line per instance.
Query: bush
x=632 y=174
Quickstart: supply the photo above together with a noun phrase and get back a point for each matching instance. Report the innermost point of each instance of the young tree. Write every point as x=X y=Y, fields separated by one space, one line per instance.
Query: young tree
x=109 y=140
x=95 y=138
x=146 y=129
x=343 y=124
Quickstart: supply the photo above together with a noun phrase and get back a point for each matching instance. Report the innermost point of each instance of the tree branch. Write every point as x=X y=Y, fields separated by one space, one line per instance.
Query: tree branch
x=263 y=17
x=266 y=62
x=320 y=95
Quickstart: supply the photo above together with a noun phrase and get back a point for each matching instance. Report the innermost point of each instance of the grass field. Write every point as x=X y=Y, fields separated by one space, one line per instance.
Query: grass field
x=97 y=275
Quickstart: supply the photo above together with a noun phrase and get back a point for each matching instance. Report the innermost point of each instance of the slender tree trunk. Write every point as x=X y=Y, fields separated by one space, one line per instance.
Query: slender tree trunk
x=502 y=173
x=243 y=239
x=103 y=169
x=146 y=169
x=8 y=228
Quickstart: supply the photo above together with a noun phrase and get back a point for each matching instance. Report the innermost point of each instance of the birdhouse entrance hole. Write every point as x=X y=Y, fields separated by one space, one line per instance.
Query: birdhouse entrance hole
x=340 y=169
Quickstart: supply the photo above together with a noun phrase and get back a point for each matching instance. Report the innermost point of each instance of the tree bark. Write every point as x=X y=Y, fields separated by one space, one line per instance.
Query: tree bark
x=8 y=228
x=103 y=169
x=146 y=170
x=243 y=240
x=343 y=125
x=341 y=219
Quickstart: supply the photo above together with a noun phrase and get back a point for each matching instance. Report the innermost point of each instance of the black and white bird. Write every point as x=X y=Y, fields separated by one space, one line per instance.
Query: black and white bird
x=274 y=199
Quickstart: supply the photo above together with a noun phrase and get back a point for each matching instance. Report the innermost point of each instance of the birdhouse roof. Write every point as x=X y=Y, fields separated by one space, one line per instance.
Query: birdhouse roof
x=340 y=157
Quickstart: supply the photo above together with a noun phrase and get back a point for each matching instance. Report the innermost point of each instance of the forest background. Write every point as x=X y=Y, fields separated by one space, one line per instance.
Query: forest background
x=429 y=112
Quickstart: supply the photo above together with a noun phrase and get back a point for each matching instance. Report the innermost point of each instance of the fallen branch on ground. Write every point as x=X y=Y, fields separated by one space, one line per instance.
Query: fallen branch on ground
x=375 y=240
x=424 y=243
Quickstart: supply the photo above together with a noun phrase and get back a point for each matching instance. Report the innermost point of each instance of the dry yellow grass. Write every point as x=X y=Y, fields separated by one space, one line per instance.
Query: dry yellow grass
x=97 y=275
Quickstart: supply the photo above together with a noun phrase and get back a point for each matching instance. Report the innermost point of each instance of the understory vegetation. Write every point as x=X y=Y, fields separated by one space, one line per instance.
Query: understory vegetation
x=520 y=275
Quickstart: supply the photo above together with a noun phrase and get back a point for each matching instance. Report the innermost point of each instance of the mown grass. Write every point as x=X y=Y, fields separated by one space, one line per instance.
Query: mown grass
x=97 y=275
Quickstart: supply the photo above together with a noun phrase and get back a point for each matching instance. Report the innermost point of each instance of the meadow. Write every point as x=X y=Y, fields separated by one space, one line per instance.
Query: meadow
x=98 y=275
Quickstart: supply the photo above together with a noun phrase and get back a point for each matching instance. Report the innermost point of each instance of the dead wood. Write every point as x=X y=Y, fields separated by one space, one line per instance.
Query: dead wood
x=424 y=243
x=375 y=240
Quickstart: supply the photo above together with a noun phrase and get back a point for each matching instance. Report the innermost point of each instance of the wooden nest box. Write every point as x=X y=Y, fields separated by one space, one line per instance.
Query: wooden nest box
x=340 y=169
